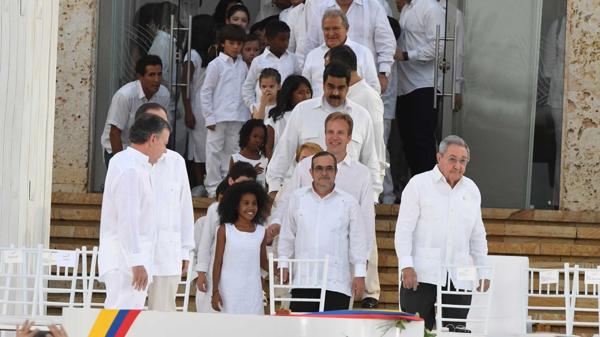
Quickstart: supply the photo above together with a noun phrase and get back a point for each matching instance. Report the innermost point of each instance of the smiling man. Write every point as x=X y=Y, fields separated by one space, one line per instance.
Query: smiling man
x=126 y=101
x=439 y=224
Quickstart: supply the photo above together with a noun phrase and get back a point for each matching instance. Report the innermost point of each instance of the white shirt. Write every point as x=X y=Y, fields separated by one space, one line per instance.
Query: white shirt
x=316 y=227
x=439 y=225
x=286 y=65
x=390 y=96
x=221 y=93
x=307 y=124
x=161 y=45
x=314 y=66
x=369 y=26
x=206 y=246
x=418 y=21
x=267 y=8
x=173 y=214
x=196 y=81
x=352 y=177
x=127 y=227
x=297 y=22
x=123 y=106
x=284 y=15
x=365 y=96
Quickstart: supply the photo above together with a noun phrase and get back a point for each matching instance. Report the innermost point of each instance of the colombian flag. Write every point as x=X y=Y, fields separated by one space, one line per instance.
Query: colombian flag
x=113 y=323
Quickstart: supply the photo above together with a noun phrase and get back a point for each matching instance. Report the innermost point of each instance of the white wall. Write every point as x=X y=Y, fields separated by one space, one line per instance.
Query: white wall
x=28 y=42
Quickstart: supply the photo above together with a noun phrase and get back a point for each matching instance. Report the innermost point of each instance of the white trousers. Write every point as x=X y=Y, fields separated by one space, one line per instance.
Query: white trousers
x=372 y=287
x=120 y=293
x=220 y=145
x=162 y=292
x=388 y=185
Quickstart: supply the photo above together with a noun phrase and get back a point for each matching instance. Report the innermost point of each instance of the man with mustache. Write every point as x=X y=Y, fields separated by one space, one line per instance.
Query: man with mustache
x=306 y=125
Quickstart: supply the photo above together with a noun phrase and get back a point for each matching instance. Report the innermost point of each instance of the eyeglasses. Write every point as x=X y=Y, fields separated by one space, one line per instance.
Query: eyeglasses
x=327 y=169
x=454 y=160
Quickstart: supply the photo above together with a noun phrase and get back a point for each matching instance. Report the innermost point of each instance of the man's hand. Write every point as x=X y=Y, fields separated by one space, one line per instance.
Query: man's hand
x=383 y=82
x=259 y=169
x=201 y=282
x=272 y=232
x=25 y=330
x=216 y=301
x=484 y=286
x=409 y=278
x=285 y=275
x=211 y=127
x=190 y=120
x=184 y=266
x=358 y=287
x=57 y=331
x=458 y=102
x=399 y=55
x=273 y=195
x=140 y=278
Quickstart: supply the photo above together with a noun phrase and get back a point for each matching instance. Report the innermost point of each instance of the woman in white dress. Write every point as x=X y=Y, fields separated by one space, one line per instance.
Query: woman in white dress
x=240 y=250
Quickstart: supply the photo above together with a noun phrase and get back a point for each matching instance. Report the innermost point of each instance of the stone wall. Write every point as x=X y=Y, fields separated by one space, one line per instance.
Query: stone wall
x=74 y=92
x=581 y=127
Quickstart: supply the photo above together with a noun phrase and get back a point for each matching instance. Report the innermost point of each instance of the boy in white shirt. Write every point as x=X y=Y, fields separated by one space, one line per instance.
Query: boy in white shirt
x=222 y=106
x=274 y=56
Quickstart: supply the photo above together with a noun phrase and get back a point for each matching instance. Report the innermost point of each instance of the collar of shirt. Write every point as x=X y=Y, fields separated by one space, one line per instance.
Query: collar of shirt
x=323 y=104
x=334 y=3
x=439 y=177
x=268 y=53
x=314 y=193
x=139 y=156
x=141 y=95
x=228 y=59
x=347 y=161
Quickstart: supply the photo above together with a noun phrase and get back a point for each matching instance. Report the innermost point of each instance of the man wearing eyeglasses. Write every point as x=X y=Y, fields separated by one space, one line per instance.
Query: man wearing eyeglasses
x=439 y=225
x=322 y=220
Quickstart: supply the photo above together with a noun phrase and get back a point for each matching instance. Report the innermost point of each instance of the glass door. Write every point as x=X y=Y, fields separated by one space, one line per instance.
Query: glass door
x=488 y=72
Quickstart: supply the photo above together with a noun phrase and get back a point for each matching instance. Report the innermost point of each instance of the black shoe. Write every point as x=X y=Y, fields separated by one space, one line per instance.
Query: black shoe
x=369 y=303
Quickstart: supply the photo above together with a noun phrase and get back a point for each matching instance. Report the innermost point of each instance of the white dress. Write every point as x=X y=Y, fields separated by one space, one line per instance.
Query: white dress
x=197 y=138
x=240 y=285
x=263 y=161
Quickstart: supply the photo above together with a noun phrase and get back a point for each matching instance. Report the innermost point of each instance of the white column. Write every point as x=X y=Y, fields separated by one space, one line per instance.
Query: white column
x=28 y=44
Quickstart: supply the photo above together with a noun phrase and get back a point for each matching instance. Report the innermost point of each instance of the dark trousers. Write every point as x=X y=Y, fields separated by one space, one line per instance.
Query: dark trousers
x=423 y=299
x=333 y=300
x=107 y=157
x=417 y=122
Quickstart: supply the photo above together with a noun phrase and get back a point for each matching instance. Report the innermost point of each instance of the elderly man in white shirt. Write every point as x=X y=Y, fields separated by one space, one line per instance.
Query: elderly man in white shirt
x=322 y=220
x=306 y=125
x=128 y=231
x=368 y=26
x=439 y=224
x=174 y=216
x=128 y=99
x=335 y=30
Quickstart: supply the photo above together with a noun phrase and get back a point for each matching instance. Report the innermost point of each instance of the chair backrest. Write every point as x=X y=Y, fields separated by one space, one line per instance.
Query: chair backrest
x=465 y=281
x=95 y=286
x=185 y=285
x=61 y=285
x=19 y=281
x=549 y=291
x=585 y=297
x=303 y=273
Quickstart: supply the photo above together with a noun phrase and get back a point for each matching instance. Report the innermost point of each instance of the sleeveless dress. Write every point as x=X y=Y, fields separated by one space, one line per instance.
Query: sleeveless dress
x=240 y=285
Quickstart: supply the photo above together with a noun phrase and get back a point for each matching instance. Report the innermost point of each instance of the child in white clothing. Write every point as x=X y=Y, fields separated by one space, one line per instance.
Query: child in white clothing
x=269 y=84
x=240 y=250
x=252 y=143
x=222 y=106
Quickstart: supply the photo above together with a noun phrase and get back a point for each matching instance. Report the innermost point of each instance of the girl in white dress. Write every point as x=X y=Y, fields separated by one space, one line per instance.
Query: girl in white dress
x=240 y=250
x=253 y=138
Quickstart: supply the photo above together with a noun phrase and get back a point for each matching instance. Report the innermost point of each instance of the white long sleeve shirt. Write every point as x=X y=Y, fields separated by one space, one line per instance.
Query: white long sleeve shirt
x=206 y=247
x=440 y=226
x=297 y=22
x=314 y=65
x=221 y=92
x=365 y=96
x=316 y=227
x=418 y=22
x=173 y=213
x=123 y=106
x=127 y=229
x=352 y=177
x=369 y=26
x=307 y=124
x=286 y=65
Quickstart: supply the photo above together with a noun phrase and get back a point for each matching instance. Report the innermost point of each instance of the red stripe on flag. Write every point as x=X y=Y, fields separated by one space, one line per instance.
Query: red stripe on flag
x=127 y=323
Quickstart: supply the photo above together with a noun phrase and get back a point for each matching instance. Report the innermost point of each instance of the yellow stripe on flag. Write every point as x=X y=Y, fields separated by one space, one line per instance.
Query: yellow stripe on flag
x=103 y=322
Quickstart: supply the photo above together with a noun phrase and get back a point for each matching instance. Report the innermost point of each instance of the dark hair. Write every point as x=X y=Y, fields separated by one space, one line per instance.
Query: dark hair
x=246 y=131
x=252 y=37
x=232 y=33
x=229 y=205
x=395 y=27
x=149 y=106
x=274 y=27
x=270 y=73
x=284 y=95
x=222 y=187
x=147 y=60
x=344 y=55
x=336 y=69
x=145 y=126
x=204 y=35
x=263 y=23
x=220 y=10
x=242 y=169
x=323 y=154
x=238 y=7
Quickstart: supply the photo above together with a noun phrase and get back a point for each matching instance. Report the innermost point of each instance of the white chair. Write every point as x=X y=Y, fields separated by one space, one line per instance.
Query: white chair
x=585 y=297
x=19 y=282
x=185 y=285
x=96 y=293
x=550 y=291
x=303 y=273
x=466 y=281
